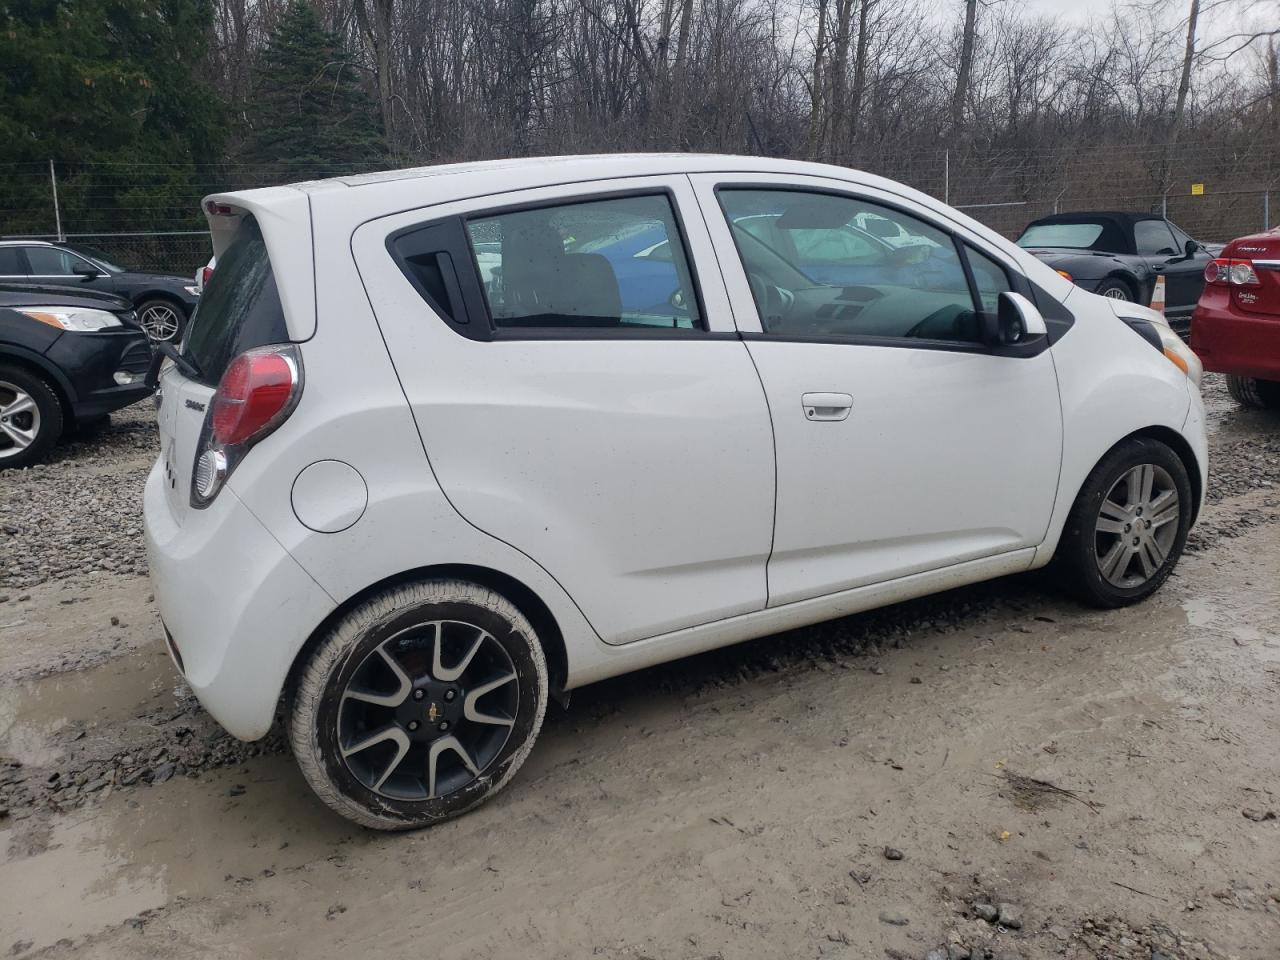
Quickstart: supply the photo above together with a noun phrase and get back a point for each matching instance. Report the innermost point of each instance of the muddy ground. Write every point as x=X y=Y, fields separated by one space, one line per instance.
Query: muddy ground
x=1112 y=778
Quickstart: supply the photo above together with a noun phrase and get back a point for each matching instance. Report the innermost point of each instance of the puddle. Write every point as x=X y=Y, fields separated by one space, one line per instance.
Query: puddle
x=194 y=839
x=34 y=713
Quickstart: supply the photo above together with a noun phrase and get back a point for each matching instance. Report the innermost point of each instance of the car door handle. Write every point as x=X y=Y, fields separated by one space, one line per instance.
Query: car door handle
x=826 y=406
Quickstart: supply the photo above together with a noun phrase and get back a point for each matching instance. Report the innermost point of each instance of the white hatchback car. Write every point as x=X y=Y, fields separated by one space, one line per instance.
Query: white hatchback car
x=442 y=443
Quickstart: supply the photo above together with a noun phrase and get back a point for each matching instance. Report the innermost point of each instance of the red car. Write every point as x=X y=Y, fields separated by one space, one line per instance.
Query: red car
x=1235 y=328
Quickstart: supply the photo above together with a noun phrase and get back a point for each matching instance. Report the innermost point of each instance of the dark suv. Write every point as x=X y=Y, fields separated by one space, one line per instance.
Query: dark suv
x=162 y=301
x=66 y=358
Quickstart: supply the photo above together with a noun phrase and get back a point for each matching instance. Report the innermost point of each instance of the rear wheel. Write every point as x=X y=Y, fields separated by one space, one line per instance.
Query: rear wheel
x=419 y=704
x=1255 y=393
x=30 y=417
x=1128 y=526
x=161 y=320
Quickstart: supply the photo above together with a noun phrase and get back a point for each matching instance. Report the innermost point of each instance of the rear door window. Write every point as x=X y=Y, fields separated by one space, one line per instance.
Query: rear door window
x=613 y=264
x=240 y=308
x=11 y=263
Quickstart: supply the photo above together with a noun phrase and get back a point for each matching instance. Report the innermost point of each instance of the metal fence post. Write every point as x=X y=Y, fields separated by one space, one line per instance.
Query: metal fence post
x=1266 y=210
x=946 y=176
x=1164 y=205
x=57 y=213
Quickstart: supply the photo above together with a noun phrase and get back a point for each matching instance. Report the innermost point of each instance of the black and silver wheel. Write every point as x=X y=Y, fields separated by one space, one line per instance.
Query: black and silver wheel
x=1128 y=525
x=160 y=320
x=1254 y=393
x=1114 y=288
x=419 y=704
x=30 y=417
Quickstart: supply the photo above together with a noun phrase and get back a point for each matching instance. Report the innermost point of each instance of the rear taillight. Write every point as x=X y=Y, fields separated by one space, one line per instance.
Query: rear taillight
x=1235 y=273
x=205 y=274
x=259 y=390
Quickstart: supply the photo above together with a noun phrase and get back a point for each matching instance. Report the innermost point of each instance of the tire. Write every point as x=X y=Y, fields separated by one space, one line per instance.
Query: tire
x=1254 y=393
x=1107 y=579
x=369 y=747
x=161 y=320
x=30 y=417
x=1115 y=289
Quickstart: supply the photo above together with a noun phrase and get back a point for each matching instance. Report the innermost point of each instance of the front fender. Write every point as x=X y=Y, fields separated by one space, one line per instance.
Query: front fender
x=1111 y=384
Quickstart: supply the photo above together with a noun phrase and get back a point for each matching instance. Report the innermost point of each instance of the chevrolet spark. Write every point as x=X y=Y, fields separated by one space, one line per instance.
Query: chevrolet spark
x=443 y=443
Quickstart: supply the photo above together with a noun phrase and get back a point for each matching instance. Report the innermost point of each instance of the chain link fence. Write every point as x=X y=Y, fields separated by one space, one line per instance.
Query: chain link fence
x=147 y=216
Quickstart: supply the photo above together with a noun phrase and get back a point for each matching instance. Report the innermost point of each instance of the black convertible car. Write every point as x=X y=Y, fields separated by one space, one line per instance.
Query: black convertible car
x=163 y=302
x=1120 y=255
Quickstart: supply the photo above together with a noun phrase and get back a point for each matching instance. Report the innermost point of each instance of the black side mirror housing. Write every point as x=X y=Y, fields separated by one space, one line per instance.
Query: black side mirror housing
x=84 y=271
x=1190 y=248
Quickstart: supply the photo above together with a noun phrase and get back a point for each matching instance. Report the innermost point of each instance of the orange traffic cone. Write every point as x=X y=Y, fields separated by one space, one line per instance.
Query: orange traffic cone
x=1157 y=296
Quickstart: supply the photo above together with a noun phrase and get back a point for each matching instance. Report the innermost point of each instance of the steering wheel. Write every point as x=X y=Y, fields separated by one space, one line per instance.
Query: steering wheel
x=773 y=302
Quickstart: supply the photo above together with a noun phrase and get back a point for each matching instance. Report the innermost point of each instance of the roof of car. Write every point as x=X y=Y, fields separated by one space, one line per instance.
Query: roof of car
x=20 y=241
x=584 y=166
x=1125 y=217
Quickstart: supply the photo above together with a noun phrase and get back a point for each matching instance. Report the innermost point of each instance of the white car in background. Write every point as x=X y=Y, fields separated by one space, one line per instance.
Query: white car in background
x=203 y=275
x=419 y=486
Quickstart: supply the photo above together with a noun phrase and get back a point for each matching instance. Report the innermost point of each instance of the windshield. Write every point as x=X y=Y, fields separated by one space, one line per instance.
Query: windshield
x=96 y=255
x=240 y=308
x=1078 y=236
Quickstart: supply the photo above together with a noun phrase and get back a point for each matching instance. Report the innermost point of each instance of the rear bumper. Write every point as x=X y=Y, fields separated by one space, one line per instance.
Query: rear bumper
x=237 y=606
x=1227 y=340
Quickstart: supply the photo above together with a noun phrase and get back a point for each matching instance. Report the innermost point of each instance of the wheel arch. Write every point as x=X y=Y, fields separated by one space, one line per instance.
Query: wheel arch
x=1179 y=445
x=525 y=599
x=142 y=296
x=1126 y=277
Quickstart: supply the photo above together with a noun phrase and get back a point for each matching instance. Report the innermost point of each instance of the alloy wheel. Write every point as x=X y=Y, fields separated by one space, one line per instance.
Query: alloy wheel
x=159 y=321
x=428 y=710
x=19 y=419
x=1137 y=525
x=1116 y=293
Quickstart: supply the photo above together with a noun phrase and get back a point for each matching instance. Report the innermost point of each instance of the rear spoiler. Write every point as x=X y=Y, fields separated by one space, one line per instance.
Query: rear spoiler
x=284 y=216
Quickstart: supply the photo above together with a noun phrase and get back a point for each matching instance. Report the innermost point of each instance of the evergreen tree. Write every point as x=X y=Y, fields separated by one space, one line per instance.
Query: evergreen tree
x=308 y=109
x=104 y=88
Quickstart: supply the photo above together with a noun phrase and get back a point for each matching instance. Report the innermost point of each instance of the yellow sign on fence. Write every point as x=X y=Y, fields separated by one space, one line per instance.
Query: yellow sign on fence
x=1197 y=189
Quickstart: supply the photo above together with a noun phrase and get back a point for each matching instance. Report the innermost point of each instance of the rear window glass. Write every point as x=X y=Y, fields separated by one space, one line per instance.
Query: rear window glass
x=1079 y=236
x=240 y=308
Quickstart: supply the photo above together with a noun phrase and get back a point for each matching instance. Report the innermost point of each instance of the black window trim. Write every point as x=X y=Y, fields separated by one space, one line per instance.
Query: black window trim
x=476 y=320
x=1020 y=282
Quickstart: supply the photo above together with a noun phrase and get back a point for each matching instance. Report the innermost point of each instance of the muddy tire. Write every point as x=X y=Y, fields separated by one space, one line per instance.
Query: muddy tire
x=1254 y=393
x=419 y=704
x=1127 y=528
x=30 y=417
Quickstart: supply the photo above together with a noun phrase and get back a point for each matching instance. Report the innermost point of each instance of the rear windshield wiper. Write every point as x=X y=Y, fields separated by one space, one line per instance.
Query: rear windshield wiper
x=167 y=351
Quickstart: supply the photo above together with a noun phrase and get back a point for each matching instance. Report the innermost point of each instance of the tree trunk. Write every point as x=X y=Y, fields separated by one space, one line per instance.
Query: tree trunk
x=966 y=64
x=1188 y=60
x=817 y=112
x=860 y=67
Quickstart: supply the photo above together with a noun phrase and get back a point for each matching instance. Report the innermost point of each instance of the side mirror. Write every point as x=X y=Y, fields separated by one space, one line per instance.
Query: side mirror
x=84 y=271
x=1189 y=250
x=1016 y=322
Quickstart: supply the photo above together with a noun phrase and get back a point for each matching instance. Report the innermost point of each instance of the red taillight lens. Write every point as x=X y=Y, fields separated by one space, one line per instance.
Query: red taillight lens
x=205 y=274
x=255 y=391
x=1236 y=273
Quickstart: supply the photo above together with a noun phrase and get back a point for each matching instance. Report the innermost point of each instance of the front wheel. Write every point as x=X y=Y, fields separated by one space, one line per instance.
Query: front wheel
x=1254 y=393
x=1128 y=526
x=419 y=704
x=30 y=417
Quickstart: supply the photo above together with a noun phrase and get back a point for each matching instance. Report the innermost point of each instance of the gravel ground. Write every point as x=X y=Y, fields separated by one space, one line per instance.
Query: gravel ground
x=80 y=510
